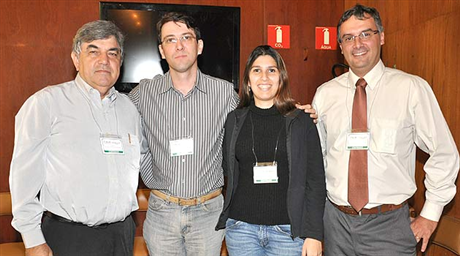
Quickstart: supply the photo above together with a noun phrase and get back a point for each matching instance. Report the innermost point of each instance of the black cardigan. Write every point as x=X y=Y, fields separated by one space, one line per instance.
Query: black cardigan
x=307 y=186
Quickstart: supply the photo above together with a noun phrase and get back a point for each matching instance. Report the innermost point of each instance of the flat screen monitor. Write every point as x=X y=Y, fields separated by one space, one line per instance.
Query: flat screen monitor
x=220 y=31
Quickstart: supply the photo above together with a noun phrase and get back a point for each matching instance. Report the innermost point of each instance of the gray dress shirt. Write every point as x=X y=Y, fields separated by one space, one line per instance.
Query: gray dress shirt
x=58 y=154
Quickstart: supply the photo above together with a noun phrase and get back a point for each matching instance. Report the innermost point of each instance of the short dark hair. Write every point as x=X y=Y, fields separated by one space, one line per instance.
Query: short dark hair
x=177 y=17
x=360 y=11
x=283 y=99
x=97 y=30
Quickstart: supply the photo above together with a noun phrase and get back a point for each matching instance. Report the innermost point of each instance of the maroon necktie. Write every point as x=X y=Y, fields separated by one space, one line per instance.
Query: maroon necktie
x=358 y=192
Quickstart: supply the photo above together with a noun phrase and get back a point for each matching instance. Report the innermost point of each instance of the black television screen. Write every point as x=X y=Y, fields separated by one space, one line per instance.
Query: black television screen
x=220 y=31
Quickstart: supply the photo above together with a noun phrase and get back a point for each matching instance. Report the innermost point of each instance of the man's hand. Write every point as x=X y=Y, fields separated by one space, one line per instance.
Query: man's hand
x=423 y=229
x=311 y=247
x=309 y=109
x=39 y=250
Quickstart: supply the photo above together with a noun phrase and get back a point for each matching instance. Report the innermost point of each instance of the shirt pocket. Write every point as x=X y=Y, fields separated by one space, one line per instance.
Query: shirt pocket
x=132 y=152
x=383 y=135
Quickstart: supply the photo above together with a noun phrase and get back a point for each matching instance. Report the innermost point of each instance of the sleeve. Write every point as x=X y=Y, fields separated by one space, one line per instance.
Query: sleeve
x=146 y=165
x=316 y=183
x=228 y=130
x=433 y=136
x=146 y=155
x=321 y=128
x=235 y=100
x=134 y=96
x=27 y=170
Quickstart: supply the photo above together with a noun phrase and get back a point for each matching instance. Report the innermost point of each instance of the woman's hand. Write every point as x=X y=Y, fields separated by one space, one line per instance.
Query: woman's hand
x=312 y=247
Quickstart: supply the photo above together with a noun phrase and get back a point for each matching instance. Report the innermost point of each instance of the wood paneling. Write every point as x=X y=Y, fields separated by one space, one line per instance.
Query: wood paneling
x=303 y=16
x=36 y=38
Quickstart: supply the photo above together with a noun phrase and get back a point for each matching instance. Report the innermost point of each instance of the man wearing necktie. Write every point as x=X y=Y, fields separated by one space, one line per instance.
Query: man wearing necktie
x=371 y=119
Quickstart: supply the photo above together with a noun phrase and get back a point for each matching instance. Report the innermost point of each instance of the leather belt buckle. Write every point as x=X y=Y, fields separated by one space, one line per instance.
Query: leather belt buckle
x=187 y=201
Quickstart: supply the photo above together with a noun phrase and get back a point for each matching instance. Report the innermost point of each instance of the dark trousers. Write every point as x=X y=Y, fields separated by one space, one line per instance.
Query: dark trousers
x=383 y=234
x=71 y=239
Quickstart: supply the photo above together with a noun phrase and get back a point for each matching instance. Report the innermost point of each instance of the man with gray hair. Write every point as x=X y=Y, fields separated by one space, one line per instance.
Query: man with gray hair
x=76 y=156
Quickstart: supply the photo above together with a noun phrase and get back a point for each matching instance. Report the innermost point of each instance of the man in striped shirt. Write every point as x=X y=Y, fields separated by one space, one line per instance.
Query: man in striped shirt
x=184 y=112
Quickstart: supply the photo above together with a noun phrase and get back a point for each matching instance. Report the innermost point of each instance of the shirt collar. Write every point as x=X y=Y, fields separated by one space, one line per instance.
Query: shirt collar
x=372 y=77
x=169 y=84
x=90 y=92
x=199 y=85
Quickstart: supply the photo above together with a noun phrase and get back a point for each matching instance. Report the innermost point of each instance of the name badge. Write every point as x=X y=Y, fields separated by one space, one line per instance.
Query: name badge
x=181 y=147
x=265 y=172
x=111 y=144
x=358 y=140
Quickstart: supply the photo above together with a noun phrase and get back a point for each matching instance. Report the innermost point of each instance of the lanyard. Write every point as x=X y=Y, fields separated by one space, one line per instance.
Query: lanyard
x=277 y=140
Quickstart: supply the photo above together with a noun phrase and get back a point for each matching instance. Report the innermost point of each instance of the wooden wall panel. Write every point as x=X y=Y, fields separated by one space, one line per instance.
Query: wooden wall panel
x=303 y=16
x=36 y=38
x=430 y=49
x=34 y=52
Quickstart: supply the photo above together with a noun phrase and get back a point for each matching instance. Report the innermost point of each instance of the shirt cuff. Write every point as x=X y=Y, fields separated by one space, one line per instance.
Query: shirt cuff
x=431 y=211
x=33 y=238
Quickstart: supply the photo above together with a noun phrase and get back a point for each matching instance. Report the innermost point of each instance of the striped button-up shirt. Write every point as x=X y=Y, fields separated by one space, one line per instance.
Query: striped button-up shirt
x=169 y=115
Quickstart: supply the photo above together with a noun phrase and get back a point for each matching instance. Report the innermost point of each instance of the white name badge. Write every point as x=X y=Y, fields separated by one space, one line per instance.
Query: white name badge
x=358 y=140
x=111 y=144
x=265 y=173
x=181 y=147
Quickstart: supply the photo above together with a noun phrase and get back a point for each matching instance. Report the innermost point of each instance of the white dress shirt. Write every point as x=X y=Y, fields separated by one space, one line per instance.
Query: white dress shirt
x=403 y=113
x=58 y=154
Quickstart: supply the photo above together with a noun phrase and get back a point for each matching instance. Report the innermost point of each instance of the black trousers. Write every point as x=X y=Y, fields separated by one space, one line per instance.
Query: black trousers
x=71 y=239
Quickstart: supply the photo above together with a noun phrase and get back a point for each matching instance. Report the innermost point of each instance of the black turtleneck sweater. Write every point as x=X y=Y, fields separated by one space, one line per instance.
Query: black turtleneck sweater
x=263 y=204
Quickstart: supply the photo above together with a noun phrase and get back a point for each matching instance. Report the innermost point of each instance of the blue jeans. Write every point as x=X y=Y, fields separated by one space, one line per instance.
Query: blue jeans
x=257 y=240
x=171 y=229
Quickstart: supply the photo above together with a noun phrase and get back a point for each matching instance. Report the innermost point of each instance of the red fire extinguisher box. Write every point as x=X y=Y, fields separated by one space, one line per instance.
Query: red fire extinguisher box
x=326 y=38
x=279 y=36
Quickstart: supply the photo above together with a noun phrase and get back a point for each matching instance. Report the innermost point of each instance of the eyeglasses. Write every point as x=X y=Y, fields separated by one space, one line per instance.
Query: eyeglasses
x=173 y=40
x=363 y=36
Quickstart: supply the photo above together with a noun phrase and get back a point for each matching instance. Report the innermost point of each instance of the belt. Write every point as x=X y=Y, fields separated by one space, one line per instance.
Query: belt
x=188 y=201
x=65 y=220
x=378 y=209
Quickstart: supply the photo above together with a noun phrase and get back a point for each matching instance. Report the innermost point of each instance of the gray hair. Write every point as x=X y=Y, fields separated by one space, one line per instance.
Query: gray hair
x=97 y=30
x=360 y=11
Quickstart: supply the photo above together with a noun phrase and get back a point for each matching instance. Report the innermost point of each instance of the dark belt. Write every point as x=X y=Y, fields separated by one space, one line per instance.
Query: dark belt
x=64 y=220
x=187 y=201
x=378 y=209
